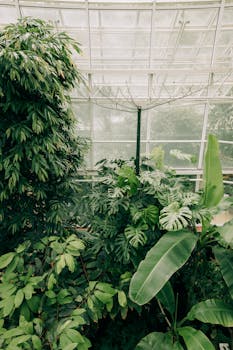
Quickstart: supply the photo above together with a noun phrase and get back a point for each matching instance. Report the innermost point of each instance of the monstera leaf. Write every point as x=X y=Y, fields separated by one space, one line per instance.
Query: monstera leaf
x=174 y=218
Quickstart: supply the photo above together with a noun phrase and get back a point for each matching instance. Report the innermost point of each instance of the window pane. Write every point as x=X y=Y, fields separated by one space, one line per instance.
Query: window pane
x=184 y=123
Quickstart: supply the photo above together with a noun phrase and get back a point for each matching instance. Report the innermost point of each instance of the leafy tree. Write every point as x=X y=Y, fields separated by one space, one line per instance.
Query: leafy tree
x=39 y=151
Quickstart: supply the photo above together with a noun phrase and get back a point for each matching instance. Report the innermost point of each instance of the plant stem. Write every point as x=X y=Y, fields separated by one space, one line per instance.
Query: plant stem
x=163 y=312
x=176 y=310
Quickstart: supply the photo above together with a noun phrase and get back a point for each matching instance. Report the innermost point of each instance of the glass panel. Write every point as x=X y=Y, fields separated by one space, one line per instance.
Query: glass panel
x=48 y=14
x=220 y=121
x=118 y=18
x=188 y=148
x=115 y=150
x=8 y=14
x=227 y=16
x=172 y=122
x=226 y=155
x=82 y=113
x=112 y=124
x=74 y=18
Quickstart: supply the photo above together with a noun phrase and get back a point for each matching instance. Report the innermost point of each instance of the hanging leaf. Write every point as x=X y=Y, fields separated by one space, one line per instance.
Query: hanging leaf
x=212 y=311
x=194 y=339
x=213 y=181
x=174 y=218
x=160 y=263
x=225 y=259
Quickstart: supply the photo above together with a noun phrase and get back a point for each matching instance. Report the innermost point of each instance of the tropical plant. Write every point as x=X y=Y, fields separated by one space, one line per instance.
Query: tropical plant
x=47 y=297
x=210 y=311
x=39 y=151
x=174 y=249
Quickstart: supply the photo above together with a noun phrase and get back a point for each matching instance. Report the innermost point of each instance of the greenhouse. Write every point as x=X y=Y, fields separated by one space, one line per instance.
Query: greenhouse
x=116 y=174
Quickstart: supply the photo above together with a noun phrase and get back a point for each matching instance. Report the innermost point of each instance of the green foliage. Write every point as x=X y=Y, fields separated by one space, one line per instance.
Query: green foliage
x=168 y=255
x=39 y=152
x=213 y=182
x=46 y=299
x=225 y=259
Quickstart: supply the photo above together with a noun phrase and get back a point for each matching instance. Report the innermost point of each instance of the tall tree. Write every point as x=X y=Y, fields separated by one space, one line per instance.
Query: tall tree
x=39 y=150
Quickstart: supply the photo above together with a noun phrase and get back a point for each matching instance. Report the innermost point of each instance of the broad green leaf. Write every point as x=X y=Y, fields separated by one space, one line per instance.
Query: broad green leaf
x=71 y=346
x=20 y=339
x=37 y=345
x=19 y=298
x=61 y=263
x=226 y=233
x=8 y=305
x=194 y=339
x=74 y=336
x=225 y=259
x=167 y=298
x=34 y=303
x=103 y=297
x=122 y=299
x=6 y=259
x=51 y=281
x=28 y=291
x=212 y=311
x=158 y=341
x=70 y=262
x=160 y=263
x=106 y=288
x=213 y=181
x=12 y=333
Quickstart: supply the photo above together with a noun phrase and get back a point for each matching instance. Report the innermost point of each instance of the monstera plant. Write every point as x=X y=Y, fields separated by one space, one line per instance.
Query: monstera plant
x=172 y=252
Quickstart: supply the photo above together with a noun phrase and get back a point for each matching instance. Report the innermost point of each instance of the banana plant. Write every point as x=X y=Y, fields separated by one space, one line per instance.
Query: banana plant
x=209 y=311
x=174 y=248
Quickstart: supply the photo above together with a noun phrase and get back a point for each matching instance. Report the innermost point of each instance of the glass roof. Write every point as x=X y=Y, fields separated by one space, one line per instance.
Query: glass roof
x=174 y=59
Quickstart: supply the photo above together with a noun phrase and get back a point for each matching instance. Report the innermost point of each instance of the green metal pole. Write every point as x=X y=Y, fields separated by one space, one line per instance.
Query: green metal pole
x=137 y=160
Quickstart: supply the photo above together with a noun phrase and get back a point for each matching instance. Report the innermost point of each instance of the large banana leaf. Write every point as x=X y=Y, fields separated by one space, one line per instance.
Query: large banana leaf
x=212 y=311
x=156 y=340
x=161 y=262
x=225 y=259
x=167 y=298
x=194 y=339
x=213 y=181
x=226 y=233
